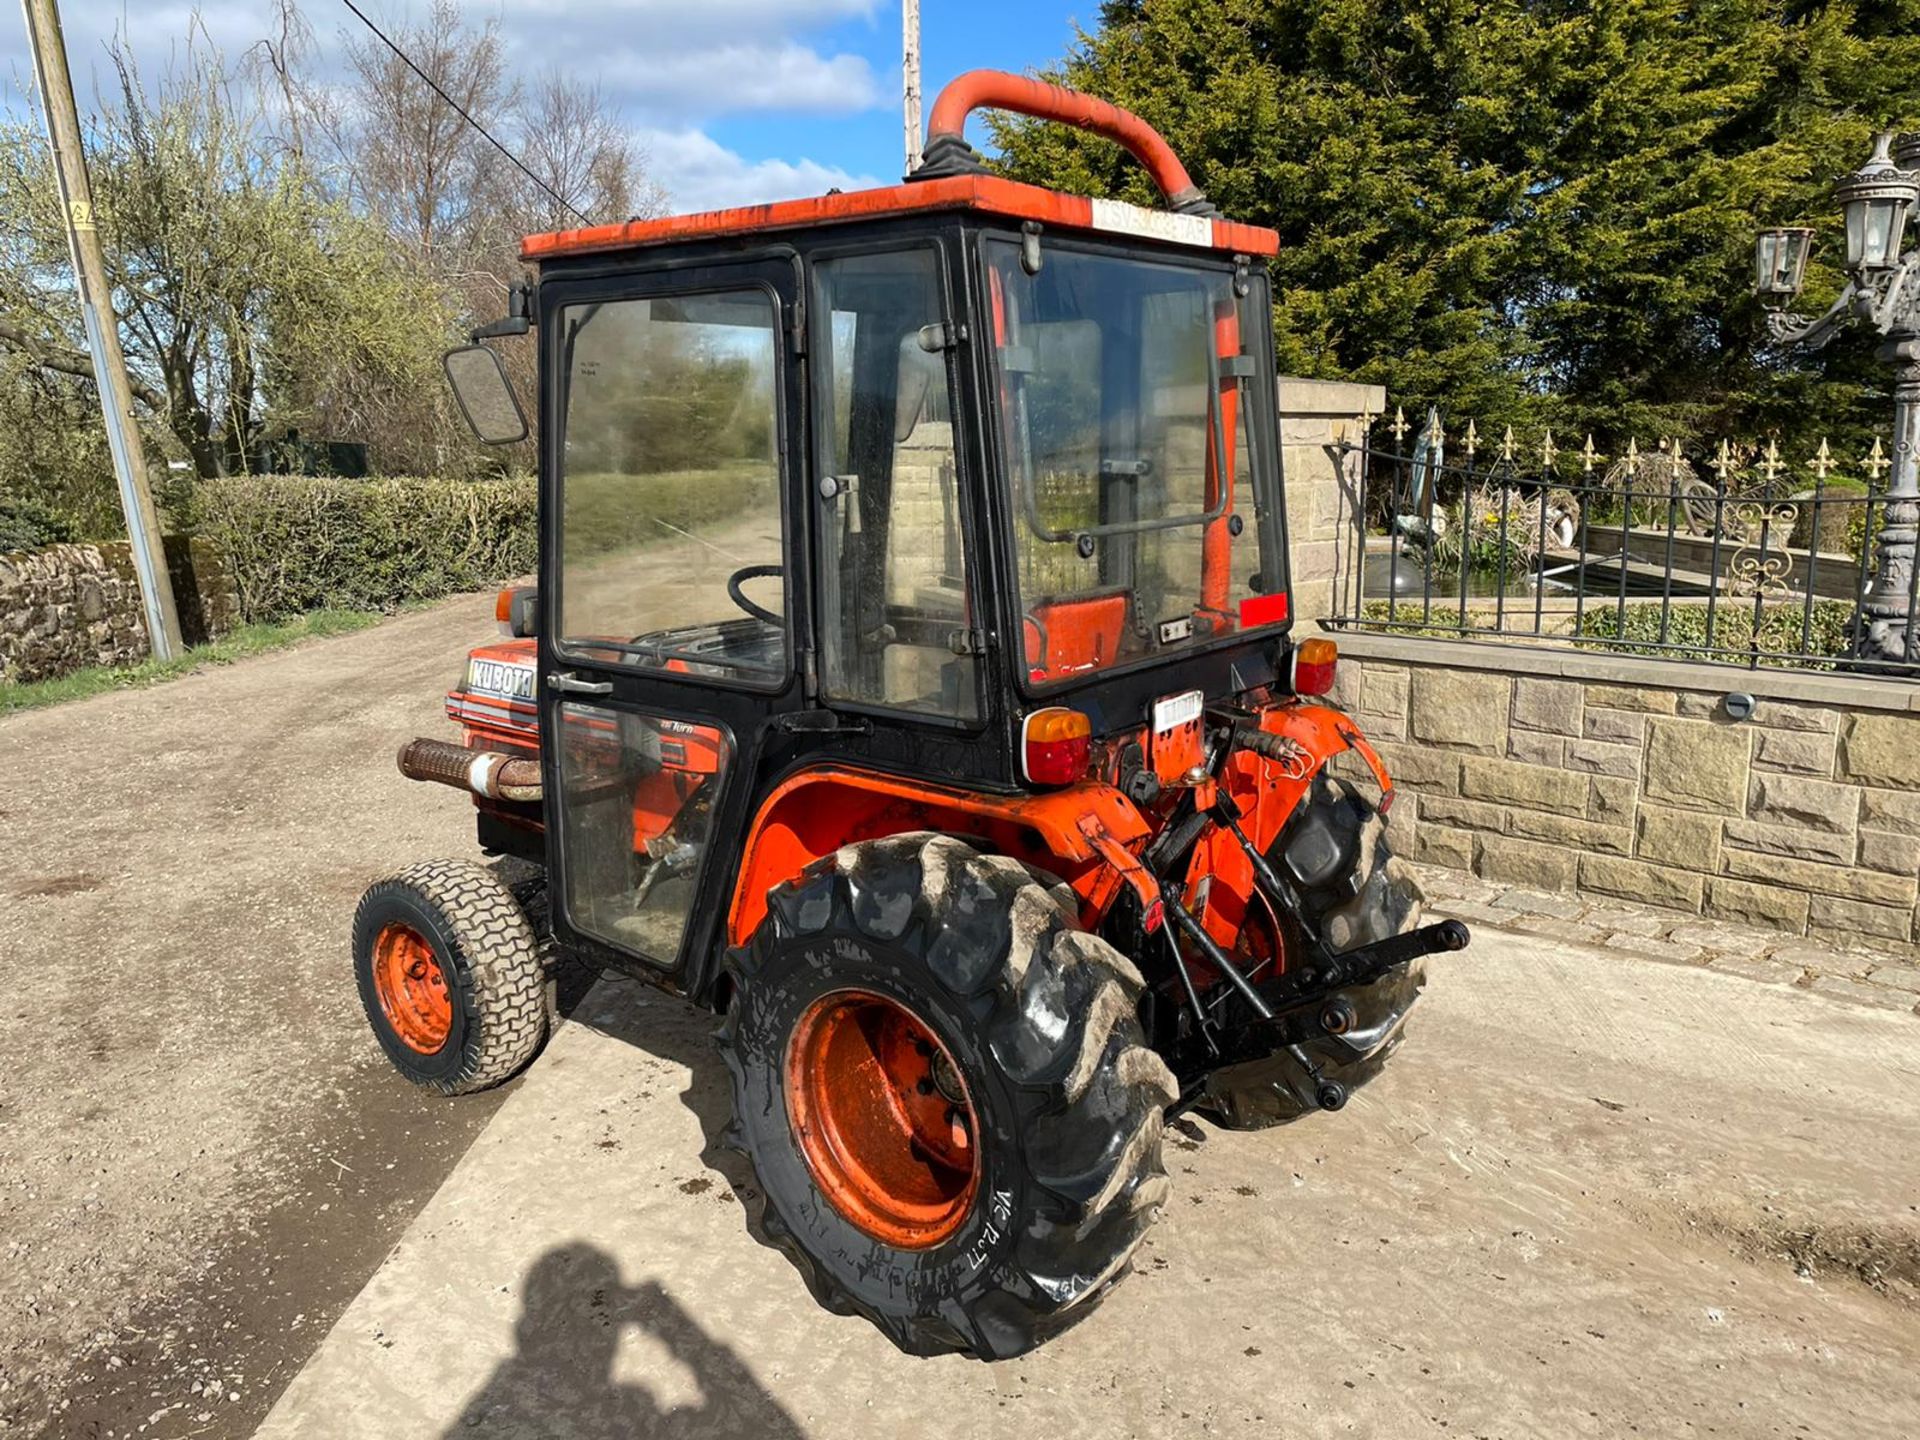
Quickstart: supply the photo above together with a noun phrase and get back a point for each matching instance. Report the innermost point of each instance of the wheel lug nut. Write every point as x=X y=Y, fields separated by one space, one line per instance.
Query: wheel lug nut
x=924 y=1086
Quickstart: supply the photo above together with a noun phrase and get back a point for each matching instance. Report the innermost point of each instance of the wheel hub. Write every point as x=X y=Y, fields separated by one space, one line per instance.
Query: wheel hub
x=411 y=988
x=882 y=1118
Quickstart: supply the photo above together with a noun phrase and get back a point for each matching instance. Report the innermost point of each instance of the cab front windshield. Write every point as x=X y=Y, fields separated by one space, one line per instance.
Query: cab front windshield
x=1121 y=385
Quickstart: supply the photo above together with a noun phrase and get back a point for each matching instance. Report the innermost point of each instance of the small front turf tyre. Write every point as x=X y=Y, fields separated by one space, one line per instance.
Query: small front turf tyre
x=451 y=975
x=985 y=1195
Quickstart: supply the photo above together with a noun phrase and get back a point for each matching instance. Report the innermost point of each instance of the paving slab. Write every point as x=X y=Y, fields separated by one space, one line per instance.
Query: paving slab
x=1588 y=1198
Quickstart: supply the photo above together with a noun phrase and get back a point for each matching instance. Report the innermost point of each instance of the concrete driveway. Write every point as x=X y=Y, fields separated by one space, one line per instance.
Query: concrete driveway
x=1582 y=1199
x=1594 y=1195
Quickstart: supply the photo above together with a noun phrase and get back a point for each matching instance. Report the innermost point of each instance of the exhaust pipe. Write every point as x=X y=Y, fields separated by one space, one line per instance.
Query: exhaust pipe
x=490 y=773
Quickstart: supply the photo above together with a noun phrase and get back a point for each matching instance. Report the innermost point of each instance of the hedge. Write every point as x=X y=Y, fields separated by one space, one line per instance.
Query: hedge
x=1828 y=635
x=1829 y=631
x=295 y=543
x=26 y=524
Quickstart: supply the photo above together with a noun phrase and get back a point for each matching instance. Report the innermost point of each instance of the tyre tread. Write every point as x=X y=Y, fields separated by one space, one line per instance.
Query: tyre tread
x=1096 y=1080
x=497 y=949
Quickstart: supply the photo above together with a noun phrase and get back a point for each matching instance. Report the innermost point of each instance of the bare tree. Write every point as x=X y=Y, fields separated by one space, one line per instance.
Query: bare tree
x=277 y=65
x=416 y=164
x=584 y=159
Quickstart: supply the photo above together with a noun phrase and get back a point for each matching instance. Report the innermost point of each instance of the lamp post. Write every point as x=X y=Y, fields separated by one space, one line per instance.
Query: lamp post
x=1883 y=293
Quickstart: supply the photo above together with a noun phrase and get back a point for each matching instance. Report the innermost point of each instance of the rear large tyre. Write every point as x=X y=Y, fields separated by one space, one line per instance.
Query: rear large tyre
x=1354 y=891
x=450 y=975
x=943 y=1089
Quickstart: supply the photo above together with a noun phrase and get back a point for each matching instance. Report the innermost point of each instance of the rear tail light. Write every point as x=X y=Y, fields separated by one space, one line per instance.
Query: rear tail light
x=1313 y=665
x=1056 y=745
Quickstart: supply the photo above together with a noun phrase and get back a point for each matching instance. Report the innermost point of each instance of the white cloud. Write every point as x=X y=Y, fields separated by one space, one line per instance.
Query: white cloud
x=669 y=62
x=677 y=21
x=699 y=173
x=671 y=66
x=736 y=78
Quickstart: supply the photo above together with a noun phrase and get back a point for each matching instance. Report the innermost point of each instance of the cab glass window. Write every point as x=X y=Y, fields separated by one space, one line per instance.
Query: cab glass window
x=895 y=616
x=670 y=523
x=1145 y=490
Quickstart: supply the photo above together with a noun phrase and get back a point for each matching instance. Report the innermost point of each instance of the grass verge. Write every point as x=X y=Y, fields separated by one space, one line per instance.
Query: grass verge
x=242 y=642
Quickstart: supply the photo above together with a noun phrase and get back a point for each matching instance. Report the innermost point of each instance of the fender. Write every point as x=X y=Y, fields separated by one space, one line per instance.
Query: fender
x=1267 y=793
x=816 y=811
x=1323 y=733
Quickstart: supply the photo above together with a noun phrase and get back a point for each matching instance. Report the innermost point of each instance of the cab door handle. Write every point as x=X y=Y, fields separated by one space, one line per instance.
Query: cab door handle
x=574 y=685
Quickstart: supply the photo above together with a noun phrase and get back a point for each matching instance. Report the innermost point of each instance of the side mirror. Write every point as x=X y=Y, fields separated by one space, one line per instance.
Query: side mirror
x=485 y=395
x=914 y=383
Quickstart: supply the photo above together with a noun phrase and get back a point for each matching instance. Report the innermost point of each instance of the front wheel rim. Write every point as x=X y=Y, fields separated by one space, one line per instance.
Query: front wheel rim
x=883 y=1119
x=412 y=988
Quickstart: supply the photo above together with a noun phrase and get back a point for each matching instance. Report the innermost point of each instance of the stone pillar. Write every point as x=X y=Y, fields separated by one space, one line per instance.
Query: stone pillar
x=1324 y=534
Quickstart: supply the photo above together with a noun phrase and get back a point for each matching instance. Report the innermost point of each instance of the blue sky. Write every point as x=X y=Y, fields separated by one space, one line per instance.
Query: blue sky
x=733 y=100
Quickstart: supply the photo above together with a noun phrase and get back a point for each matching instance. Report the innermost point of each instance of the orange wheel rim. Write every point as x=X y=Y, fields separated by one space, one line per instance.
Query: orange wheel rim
x=412 y=988
x=883 y=1119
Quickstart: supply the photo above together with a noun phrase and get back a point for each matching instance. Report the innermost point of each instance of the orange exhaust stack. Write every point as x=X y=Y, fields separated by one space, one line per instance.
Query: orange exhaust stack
x=947 y=151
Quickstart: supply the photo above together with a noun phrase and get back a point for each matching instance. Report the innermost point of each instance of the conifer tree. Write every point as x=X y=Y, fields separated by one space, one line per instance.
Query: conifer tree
x=1527 y=212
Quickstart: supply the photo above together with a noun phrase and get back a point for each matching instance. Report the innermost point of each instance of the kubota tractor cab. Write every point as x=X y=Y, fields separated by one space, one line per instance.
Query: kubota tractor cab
x=910 y=679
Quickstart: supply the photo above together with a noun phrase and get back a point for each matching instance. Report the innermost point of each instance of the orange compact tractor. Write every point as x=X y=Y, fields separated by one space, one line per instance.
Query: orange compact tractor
x=910 y=681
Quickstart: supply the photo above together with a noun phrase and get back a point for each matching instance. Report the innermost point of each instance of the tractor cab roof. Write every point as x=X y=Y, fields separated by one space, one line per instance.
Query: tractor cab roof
x=980 y=194
x=953 y=177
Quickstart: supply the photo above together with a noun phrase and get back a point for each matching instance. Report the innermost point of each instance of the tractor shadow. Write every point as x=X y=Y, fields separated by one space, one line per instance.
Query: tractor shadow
x=631 y=1011
x=666 y=1026
x=575 y=1314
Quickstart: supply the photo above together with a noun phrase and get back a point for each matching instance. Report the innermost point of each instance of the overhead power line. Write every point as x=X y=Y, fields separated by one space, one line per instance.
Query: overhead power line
x=460 y=110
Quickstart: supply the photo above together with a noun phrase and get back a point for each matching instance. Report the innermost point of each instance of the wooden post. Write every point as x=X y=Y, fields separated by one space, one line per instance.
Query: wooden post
x=910 y=68
x=103 y=327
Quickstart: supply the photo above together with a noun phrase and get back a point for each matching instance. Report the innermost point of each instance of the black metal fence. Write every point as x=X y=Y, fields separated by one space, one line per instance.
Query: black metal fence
x=1737 y=558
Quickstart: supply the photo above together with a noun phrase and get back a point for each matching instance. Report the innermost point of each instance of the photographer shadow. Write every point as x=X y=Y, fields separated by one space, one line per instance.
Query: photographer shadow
x=560 y=1384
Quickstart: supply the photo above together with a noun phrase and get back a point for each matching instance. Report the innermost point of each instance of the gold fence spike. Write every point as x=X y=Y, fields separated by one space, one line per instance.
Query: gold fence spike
x=1588 y=455
x=1822 y=461
x=1473 y=439
x=1399 y=423
x=1506 y=445
x=1876 y=461
x=1770 y=463
x=1633 y=457
x=1547 y=452
x=1722 y=463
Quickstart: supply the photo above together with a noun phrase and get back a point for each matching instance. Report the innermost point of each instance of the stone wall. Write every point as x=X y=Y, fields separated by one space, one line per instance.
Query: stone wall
x=1629 y=778
x=71 y=606
x=1314 y=416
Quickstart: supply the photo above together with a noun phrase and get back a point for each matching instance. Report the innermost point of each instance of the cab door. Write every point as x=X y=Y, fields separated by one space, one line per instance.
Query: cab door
x=669 y=627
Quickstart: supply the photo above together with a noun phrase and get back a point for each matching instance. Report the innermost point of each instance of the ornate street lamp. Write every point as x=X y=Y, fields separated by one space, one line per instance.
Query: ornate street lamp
x=1883 y=293
x=1780 y=264
x=1875 y=200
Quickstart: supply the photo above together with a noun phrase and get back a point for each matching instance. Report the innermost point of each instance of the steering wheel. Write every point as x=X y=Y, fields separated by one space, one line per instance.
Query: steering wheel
x=754 y=572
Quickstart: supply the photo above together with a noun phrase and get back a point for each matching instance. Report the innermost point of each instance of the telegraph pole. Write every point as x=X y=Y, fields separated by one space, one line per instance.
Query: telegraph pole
x=910 y=67
x=103 y=327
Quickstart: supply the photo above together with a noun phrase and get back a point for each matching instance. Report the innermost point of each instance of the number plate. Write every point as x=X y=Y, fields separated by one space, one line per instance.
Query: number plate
x=1177 y=710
